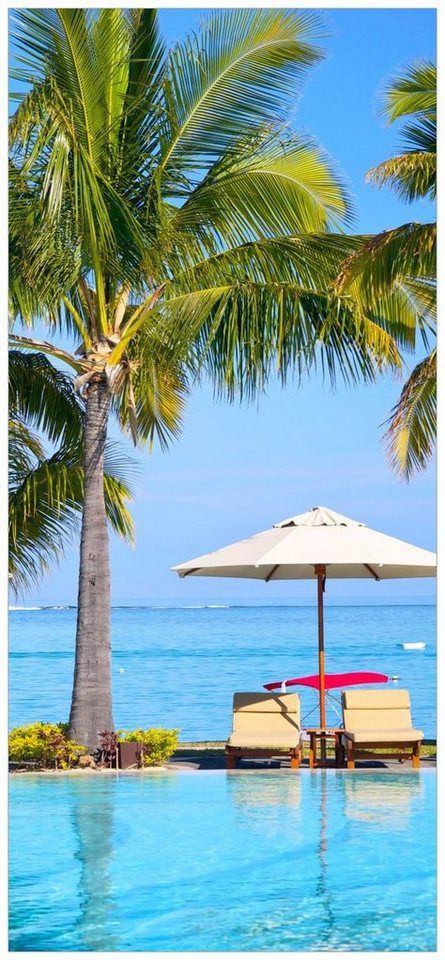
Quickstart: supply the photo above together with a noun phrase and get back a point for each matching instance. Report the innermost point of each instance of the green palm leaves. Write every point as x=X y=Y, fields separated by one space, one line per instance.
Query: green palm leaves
x=231 y=78
x=411 y=435
x=412 y=95
x=395 y=272
x=161 y=168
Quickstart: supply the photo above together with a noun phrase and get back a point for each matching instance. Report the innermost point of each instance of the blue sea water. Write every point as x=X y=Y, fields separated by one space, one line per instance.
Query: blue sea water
x=260 y=861
x=179 y=666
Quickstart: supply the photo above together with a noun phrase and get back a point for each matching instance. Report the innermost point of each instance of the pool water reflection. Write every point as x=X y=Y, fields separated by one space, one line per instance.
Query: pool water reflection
x=249 y=861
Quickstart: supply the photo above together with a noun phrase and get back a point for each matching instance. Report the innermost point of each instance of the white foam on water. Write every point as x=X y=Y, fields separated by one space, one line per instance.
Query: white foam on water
x=25 y=608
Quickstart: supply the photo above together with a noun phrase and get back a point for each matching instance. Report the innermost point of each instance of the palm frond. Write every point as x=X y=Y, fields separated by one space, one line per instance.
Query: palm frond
x=266 y=187
x=411 y=434
x=240 y=71
x=312 y=260
x=139 y=135
x=379 y=277
x=412 y=175
x=43 y=397
x=412 y=92
x=75 y=145
x=117 y=494
x=241 y=333
x=421 y=134
x=46 y=347
x=44 y=509
x=149 y=397
x=44 y=257
x=45 y=505
x=422 y=291
x=24 y=448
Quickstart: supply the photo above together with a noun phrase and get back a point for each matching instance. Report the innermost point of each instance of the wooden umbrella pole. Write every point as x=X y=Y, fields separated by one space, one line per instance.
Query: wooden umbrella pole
x=320 y=572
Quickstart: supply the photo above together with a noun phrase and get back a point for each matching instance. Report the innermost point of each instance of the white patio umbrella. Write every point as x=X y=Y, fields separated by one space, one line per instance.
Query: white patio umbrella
x=318 y=544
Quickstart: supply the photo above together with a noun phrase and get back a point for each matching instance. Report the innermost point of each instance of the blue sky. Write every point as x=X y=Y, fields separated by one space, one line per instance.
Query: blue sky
x=237 y=470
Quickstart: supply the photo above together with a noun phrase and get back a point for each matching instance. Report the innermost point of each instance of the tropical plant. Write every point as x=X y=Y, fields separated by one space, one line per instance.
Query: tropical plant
x=158 y=743
x=43 y=743
x=401 y=264
x=46 y=490
x=163 y=213
x=105 y=754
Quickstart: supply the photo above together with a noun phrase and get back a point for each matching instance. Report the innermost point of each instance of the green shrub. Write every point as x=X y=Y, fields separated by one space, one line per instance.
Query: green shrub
x=45 y=743
x=158 y=743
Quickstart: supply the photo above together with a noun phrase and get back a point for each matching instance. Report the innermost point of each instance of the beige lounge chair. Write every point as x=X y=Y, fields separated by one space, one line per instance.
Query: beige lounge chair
x=264 y=726
x=379 y=719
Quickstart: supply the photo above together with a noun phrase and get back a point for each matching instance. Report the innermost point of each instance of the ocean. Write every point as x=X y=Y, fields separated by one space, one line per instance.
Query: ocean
x=178 y=666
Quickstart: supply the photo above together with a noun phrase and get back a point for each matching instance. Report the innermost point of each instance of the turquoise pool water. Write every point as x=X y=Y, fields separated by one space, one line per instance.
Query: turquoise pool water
x=247 y=861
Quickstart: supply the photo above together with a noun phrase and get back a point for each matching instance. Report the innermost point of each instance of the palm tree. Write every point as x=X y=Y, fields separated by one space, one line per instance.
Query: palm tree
x=402 y=263
x=163 y=213
x=46 y=491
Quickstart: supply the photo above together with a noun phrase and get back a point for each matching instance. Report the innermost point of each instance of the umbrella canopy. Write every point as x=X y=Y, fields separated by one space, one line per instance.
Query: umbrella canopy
x=332 y=680
x=318 y=544
x=291 y=550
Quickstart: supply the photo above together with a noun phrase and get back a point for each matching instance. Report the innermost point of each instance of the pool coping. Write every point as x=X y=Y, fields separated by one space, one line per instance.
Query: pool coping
x=250 y=767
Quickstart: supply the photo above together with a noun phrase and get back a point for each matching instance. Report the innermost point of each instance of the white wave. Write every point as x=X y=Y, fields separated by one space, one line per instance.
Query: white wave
x=25 y=608
x=202 y=606
x=60 y=606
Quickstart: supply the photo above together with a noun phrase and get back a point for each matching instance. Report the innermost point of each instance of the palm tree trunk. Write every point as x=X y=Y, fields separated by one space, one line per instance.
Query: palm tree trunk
x=91 y=705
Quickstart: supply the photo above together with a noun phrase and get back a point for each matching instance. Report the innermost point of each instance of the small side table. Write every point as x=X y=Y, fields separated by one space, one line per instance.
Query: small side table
x=317 y=734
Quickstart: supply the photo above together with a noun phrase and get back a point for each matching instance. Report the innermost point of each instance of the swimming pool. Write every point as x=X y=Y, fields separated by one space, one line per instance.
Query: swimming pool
x=248 y=861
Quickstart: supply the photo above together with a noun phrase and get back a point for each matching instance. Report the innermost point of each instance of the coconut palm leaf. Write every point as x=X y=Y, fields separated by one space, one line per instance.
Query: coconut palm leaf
x=399 y=267
x=412 y=175
x=24 y=448
x=142 y=103
x=43 y=513
x=240 y=71
x=75 y=133
x=44 y=258
x=45 y=507
x=269 y=187
x=244 y=332
x=413 y=92
x=393 y=275
x=411 y=434
x=283 y=288
x=43 y=397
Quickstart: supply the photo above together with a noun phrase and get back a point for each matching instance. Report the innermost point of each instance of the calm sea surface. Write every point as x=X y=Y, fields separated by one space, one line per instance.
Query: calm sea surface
x=179 y=666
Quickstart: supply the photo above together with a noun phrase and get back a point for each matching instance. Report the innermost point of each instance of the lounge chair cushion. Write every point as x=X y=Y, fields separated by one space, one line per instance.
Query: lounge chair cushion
x=384 y=736
x=378 y=716
x=278 y=742
x=376 y=699
x=262 y=720
x=266 y=703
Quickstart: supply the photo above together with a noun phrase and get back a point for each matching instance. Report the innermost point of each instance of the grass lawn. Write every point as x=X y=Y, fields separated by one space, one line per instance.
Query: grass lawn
x=215 y=748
